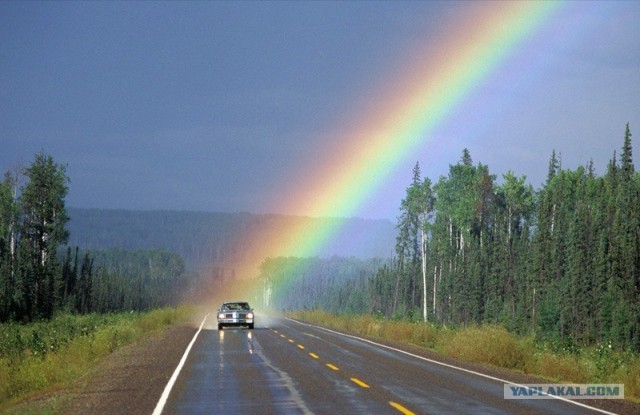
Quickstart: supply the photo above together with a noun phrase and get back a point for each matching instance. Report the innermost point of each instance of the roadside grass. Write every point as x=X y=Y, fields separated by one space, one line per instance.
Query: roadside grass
x=51 y=354
x=494 y=345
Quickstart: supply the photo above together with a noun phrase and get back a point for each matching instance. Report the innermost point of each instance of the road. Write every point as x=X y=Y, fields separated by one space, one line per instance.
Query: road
x=287 y=367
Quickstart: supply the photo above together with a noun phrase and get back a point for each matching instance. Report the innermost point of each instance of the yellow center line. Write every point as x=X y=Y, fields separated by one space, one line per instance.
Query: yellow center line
x=315 y=356
x=301 y=347
x=359 y=383
x=401 y=408
x=283 y=336
x=291 y=341
x=332 y=367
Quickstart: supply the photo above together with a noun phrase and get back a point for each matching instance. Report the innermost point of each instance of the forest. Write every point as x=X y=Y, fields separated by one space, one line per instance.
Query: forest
x=55 y=258
x=39 y=277
x=204 y=239
x=561 y=262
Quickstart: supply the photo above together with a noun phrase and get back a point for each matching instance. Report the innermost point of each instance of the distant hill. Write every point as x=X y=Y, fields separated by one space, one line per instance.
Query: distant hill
x=203 y=239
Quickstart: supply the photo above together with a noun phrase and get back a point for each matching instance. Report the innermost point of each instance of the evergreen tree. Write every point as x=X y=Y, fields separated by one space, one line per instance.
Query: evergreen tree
x=516 y=202
x=6 y=278
x=408 y=244
x=626 y=245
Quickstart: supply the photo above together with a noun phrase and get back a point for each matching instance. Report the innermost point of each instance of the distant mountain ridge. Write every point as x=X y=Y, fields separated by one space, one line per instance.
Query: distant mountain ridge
x=203 y=238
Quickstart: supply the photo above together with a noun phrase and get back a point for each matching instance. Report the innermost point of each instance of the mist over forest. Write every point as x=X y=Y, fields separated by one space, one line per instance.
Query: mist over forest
x=204 y=239
x=561 y=261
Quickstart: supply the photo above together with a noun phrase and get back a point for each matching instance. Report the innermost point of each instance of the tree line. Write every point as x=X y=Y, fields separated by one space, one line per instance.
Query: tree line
x=39 y=277
x=336 y=283
x=562 y=261
x=204 y=239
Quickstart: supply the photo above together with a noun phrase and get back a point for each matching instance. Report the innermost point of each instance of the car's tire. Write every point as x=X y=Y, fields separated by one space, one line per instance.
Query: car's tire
x=219 y=326
x=251 y=326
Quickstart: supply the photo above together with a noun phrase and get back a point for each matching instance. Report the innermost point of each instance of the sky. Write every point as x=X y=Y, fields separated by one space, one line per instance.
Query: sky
x=230 y=106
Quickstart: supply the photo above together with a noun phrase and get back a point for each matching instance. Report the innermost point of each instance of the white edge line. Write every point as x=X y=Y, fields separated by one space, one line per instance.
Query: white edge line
x=169 y=386
x=449 y=366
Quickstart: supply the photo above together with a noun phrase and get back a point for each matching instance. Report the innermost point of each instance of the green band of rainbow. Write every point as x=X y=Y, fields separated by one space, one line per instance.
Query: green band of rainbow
x=416 y=103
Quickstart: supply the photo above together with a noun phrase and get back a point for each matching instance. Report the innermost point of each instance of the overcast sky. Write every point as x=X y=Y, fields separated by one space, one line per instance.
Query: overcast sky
x=209 y=105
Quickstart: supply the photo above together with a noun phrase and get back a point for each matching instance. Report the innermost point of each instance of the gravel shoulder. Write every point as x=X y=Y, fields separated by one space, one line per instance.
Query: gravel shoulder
x=131 y=380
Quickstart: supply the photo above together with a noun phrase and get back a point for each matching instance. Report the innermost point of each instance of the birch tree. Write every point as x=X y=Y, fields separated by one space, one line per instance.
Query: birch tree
x=43 y=223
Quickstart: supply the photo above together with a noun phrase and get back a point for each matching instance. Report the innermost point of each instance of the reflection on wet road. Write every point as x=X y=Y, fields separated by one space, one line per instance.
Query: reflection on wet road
x=285 y=367
x=228 y=373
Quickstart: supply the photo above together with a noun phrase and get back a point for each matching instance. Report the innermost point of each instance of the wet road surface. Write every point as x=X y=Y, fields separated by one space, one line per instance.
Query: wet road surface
x=287 y=367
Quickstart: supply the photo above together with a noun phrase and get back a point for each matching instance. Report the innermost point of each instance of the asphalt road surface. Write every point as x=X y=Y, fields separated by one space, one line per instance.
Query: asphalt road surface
x=287 y=367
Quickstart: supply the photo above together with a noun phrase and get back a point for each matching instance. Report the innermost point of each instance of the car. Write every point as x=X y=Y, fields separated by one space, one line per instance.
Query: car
x=235 y=313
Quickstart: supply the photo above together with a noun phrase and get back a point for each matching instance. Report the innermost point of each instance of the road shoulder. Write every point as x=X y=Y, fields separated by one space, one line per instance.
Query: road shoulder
x=129 y=381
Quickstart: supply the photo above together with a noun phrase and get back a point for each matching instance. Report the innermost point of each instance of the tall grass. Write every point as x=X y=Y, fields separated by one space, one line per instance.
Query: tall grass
x=44 y=354
x=494 y=345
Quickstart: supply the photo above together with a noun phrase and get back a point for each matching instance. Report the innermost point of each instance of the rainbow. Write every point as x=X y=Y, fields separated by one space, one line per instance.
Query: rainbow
x=381 y=137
